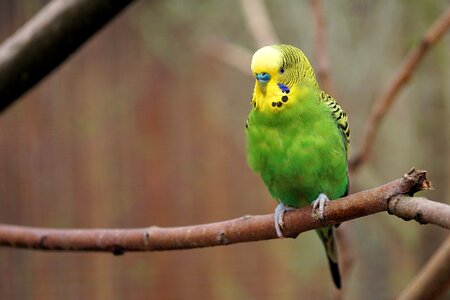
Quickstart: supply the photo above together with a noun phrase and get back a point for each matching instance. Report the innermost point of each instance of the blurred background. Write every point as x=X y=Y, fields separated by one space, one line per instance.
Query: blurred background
x=144 y=125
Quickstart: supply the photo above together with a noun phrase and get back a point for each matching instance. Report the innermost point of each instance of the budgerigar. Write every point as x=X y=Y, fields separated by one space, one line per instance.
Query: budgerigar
x=297 y=138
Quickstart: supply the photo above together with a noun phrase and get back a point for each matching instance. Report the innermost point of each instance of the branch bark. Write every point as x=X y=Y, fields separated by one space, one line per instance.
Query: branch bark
x=244 y=229
x=434 y=279
x=46 y=40
x=384 y=102
x=420 y=209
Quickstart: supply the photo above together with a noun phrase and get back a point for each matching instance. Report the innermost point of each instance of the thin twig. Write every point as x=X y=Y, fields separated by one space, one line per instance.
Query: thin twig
x=259 y=22
x=244 y=229
x=320 y=48
x=434 y=279
x=46 y=40
x=384 y=102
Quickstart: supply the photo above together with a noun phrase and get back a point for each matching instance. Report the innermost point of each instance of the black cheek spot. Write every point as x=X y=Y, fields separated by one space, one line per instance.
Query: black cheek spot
x=254 y=104
x=284 y=98
x=274 y=104
x=279 y=104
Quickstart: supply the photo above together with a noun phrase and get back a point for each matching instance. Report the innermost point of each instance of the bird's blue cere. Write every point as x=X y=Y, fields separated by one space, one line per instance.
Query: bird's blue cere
x=263 y=77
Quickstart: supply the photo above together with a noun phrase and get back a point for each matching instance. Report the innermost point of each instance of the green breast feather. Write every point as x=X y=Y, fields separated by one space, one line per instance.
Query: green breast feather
x=299 y=152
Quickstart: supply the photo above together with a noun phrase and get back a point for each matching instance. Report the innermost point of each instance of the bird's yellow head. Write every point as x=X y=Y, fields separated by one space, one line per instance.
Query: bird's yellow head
x=279 y=70
x=267 y=62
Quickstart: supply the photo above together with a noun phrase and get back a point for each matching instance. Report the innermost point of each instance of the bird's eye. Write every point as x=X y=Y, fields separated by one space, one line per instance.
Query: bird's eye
x=281 y=70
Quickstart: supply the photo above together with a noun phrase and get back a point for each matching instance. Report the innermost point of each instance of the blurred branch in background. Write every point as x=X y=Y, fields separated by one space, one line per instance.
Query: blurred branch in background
x=320 y=48
x=434 y=279
x=384 y=102
x=244 y=229
x=261 y=28
x=46 y=40
x=259 y=22
x=231 y=54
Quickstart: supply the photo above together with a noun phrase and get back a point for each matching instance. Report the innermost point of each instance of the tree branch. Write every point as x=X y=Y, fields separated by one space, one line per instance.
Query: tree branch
x=434 y=279
x=384 y=102
x=259 y=22
x=420 y=209
x=244 y=229
x=46 y=40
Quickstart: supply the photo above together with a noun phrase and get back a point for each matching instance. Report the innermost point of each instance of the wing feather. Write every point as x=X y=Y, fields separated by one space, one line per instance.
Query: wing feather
x=339 y=116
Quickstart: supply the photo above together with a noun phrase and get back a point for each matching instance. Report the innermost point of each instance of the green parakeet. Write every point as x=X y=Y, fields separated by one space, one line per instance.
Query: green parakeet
x=297 y=138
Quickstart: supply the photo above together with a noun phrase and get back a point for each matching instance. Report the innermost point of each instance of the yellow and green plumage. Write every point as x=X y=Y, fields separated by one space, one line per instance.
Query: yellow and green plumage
x=297 y=137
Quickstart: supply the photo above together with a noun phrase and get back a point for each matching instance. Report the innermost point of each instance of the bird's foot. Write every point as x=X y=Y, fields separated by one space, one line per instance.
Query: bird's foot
x=278 y=218
x=319 y=206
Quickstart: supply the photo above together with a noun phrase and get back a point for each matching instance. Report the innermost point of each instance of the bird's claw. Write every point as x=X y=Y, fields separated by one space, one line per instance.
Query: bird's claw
x=319 y=206
x=278 y=218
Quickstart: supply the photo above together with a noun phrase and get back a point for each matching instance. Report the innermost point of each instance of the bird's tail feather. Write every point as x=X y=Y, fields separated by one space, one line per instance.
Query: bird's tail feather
x=327 y=236
x=334 y=268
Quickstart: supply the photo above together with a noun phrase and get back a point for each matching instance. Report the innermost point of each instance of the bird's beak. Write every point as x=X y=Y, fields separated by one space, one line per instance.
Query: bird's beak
x=263 y=77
